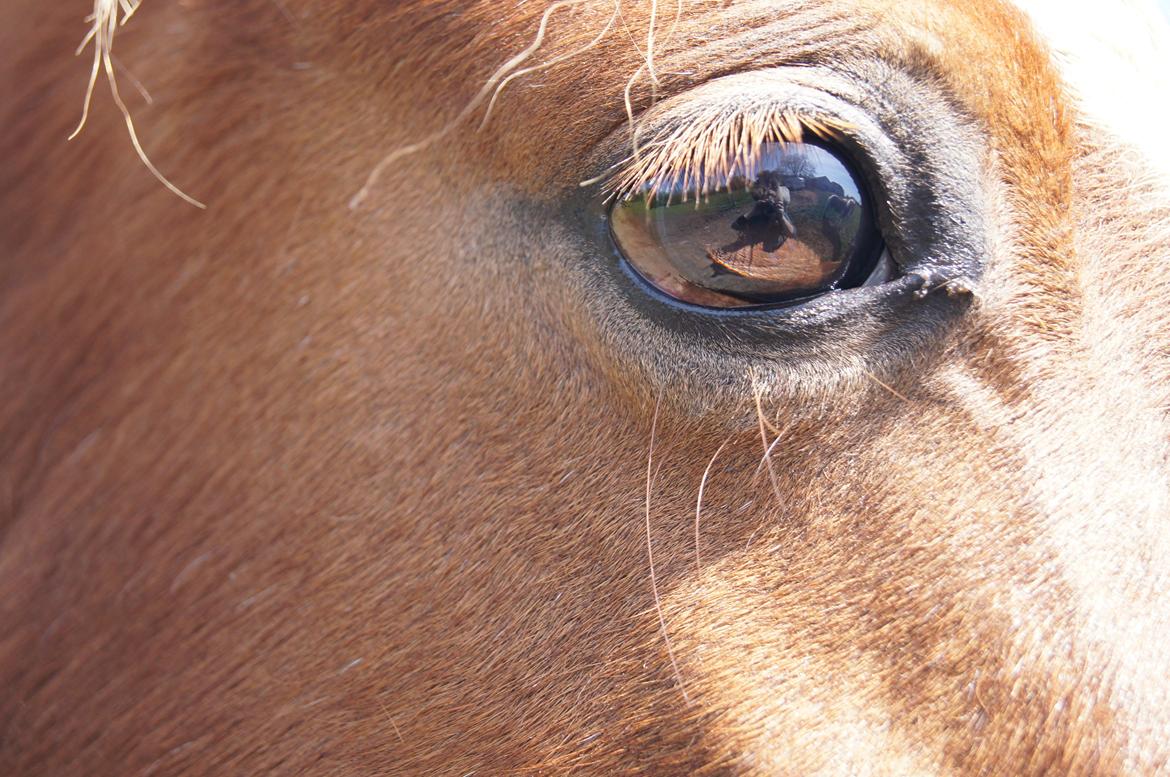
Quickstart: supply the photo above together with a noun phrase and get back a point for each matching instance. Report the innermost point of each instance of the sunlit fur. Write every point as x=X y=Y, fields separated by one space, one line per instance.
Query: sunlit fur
x=352 y=474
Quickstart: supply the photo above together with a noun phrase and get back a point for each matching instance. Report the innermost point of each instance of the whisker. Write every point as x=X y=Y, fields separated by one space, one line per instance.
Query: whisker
x=629 y=105
x=699 y=500
x=390 y=719
x=650 y=473
x=759 y=409
x=650 y=46
x=767 y=454
x=763 y=422
x=487 y=89
x=629 y=33
x=545 y=65
x=138 y=85
x=888 y=388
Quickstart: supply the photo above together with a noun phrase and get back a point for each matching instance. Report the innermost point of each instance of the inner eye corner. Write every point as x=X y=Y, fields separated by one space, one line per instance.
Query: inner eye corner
x=792 y=221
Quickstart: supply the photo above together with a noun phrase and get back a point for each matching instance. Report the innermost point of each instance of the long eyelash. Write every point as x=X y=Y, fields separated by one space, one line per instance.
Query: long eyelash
x=700 y=156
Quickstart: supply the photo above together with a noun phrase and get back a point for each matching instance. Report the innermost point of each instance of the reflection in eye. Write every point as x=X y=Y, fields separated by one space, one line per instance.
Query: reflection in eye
x=795 y=225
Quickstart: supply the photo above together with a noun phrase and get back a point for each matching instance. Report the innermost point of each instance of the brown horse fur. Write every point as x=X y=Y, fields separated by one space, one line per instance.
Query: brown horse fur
x=292 y=487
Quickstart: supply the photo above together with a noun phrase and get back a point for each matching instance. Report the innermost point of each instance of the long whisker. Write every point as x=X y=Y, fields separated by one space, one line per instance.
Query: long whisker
x=699 y=500
x=650 y=44
x=759 y=408
x=138 y=85
x=629 y=33
x=650 y=472
x=627 y=100
x=108 y=65
x=764 y=424
x=484 y=92
x=550 y=63
x=767 y=457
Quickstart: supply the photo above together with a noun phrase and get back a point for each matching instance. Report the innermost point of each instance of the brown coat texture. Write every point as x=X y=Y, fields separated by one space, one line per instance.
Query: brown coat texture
x=310 y=483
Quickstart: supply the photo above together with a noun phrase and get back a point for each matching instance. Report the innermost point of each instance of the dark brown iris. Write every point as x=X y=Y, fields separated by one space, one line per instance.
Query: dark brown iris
x=797 y=225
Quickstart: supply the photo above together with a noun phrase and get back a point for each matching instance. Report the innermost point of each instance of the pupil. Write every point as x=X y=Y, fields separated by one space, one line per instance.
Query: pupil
x=797 y=224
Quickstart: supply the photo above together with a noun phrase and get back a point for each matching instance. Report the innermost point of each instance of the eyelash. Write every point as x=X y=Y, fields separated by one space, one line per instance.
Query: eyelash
x=691 y=156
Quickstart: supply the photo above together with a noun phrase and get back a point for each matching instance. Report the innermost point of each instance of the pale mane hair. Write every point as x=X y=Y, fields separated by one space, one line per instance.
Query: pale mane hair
x=107 y=17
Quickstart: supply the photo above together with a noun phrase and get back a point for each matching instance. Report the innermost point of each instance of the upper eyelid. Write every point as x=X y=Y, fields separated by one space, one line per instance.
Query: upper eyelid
x=921 y=156
x=697 y=138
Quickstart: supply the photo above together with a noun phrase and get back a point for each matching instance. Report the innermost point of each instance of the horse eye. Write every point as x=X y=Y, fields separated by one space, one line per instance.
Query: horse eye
x=798 y=224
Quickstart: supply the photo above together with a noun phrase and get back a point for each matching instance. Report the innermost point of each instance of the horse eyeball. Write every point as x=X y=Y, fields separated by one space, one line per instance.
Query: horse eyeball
x=798 y=224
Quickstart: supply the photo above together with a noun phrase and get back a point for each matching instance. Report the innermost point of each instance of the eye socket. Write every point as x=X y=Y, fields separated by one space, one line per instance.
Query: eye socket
x=795 y=224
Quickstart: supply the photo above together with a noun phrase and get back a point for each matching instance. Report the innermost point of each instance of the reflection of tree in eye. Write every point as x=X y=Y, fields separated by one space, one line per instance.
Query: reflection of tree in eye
x=791 y=162
x=795 y=161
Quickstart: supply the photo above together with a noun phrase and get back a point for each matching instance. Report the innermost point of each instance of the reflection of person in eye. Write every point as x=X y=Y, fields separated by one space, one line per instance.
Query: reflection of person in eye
x=768 y=221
